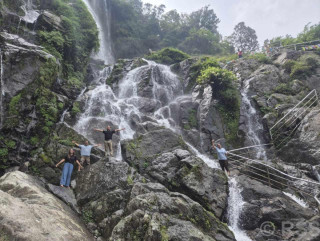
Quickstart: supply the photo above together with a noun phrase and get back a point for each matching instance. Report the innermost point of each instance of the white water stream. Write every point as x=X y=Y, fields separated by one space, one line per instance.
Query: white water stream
x=235 y=205
x=31 y=14
x=253 y=121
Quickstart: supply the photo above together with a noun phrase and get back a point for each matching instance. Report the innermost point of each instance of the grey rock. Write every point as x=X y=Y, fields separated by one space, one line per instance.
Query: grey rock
x=28 y=210
x=65 y=195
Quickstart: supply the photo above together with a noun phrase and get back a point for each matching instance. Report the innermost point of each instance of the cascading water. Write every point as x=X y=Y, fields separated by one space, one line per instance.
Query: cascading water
x=235 y=204
x=31 y=15
x=101 y=14
x=253 y=121
x=2 y=90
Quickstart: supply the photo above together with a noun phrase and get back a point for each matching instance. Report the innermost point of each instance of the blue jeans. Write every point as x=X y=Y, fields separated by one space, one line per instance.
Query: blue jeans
x=66 y=174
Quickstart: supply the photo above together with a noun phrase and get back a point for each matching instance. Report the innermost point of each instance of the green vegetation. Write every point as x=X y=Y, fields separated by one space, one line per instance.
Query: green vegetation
x=87 y=215
x=75 y=109
x=13 y=105
x=73 y=44
x=129 y=180
x=303 y=67
x=192 y=120
x=138 y=27
x=261 y=58
x=168 y=56
x=207 y=71
x=309 y=33
x=164 y=233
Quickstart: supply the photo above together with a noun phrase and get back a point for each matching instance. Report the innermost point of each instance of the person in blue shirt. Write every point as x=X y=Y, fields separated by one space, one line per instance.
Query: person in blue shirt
x=85 y=152
x=222 y=157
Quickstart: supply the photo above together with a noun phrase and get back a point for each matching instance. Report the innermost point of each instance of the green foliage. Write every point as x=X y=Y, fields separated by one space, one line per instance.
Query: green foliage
x=288 y=65
x=309 y=33
x=66 y=142
x=75 y=109
x=168 y=56
x=260 y=57
x=284 y=88
x=34 y=141
x=302 y=68
x=45 y=158
x=138 y=27
x=87 y=216
x=192 y=119
x=223 y=86
x=164 y=233
x=13 y=105
x=3 y=153
x=79 y=37
x=53 y=42
x=129 y=180
x=244 y=38
x=10 y=144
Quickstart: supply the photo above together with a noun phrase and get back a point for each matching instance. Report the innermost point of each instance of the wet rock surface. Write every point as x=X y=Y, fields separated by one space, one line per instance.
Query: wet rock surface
x=28 y=210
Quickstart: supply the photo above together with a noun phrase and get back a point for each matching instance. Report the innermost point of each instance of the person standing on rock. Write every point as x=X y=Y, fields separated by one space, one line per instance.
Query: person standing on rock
x=108 y=139
x=222 y=157
x=239 y=53
x=69 y=160
x=85 y=152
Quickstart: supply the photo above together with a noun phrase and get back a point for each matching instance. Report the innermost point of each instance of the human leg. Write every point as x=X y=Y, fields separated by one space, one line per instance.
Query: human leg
x=106 y=149
x=221 y=162
x=110 y=147
x=70 y=169
x=64 y=175
x=88 y=160
x=82 y=160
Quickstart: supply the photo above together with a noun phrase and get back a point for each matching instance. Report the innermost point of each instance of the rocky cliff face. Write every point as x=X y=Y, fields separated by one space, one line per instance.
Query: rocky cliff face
x=162 y=185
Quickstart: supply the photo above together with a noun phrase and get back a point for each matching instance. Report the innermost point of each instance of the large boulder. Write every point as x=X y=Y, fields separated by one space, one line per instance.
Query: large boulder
x=305 y=145
x=28 y=210
x=163 y=156
x=264 y=204
x=154 y=213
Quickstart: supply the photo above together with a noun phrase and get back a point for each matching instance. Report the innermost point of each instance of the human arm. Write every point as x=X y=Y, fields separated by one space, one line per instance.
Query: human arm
x=98 y=130
x=60 y=162
x=213 y=144
x=74 y=142
x=79 y=165
x=117 y=130
x=97 y=145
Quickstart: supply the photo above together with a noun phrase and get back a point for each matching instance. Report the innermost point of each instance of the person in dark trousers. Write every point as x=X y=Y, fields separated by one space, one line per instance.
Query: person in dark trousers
x=108 y=139
x=222 y=157
x=239 y=53
x=69 y=160
x=85 y=152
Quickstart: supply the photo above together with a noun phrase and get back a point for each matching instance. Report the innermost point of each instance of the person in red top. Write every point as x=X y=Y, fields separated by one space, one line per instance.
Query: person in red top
x=239 y=53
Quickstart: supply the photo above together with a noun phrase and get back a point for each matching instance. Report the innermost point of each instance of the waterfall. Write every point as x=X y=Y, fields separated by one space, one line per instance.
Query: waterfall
x=2 y=90
x=31 y=15
x=101 y=14
x=235 y=204
x=253 y=121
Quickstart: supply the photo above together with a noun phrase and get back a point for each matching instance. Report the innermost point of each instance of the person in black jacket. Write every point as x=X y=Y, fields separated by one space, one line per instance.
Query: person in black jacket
x=108 y=139
x=69 y=160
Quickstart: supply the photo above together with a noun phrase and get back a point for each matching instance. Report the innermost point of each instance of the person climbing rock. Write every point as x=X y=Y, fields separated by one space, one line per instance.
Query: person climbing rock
x=108 y=139
x=85 y=151
x=222 y=157
x=69 y=160
x=239 y=53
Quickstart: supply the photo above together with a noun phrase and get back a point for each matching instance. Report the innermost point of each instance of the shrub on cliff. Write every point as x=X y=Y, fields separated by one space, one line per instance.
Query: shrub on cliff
x=168 y=56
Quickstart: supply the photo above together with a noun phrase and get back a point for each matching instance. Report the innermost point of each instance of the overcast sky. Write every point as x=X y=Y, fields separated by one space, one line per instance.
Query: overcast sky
x=270 y=18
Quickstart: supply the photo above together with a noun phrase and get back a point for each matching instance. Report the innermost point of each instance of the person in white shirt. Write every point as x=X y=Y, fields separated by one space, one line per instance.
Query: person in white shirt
x=222 y=157
x=85 y=151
